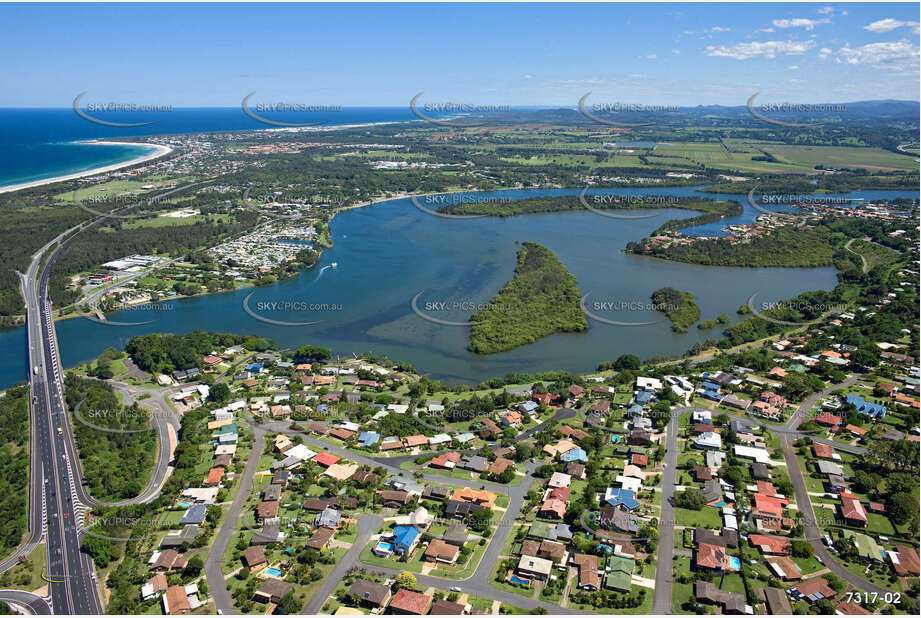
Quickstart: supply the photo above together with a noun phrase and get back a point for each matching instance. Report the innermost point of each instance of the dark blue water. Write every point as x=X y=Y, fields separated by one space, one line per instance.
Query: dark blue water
x=39 y=143
x=388 y=253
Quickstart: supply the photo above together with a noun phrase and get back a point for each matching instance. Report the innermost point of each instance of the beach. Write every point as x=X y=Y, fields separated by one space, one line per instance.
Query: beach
x=159 y=151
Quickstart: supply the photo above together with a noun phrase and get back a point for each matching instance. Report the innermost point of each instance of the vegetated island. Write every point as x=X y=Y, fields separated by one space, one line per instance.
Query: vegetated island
x=540 y=300
x=711 y=210
x=720 y=319
x=679 y=307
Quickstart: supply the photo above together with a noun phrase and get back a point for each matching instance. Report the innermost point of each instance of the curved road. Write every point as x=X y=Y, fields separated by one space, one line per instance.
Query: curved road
x=28 y=602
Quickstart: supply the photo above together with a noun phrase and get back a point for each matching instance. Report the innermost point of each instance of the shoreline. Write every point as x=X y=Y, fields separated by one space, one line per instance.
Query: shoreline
x=159 y=151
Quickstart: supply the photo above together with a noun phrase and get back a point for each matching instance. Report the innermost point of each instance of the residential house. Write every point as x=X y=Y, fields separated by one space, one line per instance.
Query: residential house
x=272 y=590
x=407 y=602
x=369 y=594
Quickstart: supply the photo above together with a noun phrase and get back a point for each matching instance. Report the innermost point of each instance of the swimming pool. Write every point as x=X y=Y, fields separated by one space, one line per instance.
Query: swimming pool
x=184 y=505
x=273 y=572
x=518 y=580
x=734 y=563
x=383 y=547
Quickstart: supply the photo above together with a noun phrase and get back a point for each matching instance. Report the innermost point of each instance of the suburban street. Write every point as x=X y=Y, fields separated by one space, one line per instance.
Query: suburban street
x=216 y=581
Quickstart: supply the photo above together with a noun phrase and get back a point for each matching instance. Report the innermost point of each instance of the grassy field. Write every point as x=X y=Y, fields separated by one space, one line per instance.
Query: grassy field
x=704 y=518
x=173 y=221
x=843 y=156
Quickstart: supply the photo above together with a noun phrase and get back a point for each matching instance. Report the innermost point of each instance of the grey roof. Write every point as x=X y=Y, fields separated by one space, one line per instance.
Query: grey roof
x=271 y=492
x=456 y=533
x=563 y=531
x=175 y=538
x=195 y=515
x=271 y=533
x=830 y=467
x=760 y=471
x=287 y=462
x=329 y=518
x=476 y=463
x=712 y=491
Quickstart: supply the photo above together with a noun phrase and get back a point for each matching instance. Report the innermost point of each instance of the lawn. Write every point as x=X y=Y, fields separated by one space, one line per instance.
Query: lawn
x=704 y=518
x=28 y=575
x=459 y=572
x=681 y=592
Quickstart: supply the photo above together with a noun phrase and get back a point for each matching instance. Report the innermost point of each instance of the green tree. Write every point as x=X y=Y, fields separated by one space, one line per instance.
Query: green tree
x=406 y=580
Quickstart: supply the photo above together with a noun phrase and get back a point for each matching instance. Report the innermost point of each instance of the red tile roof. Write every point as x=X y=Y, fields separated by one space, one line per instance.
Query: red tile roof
x=770 y=505
x=827 y=418
x=816 y=585
x=639 y=460
x=908 y=560
x=712 y=556
x=823 y=451
x=410 y=602
x=417 y=440
x=854 y=429
x=326 y=459
x=769 y=544
x=852 y=509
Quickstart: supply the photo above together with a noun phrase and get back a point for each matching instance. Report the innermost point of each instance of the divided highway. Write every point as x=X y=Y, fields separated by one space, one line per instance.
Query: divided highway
x=57 y=499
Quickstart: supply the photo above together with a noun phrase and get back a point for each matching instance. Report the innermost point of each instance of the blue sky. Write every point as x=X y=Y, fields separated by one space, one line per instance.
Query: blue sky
x=516 y=54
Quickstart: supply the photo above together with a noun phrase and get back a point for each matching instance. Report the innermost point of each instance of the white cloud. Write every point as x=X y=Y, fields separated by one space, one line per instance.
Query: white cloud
x=528 y=76
x=720 y=29
x=650 y=56
x=889 y=24
x=765 y=30
x=826 y=10
x=767 y=49
x=891 y=56
x=676 y=52
x=793 y=67
x=824 y=53
x=800 y=22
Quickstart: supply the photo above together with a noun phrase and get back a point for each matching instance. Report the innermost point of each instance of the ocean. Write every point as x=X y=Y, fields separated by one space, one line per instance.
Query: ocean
x=36 y=144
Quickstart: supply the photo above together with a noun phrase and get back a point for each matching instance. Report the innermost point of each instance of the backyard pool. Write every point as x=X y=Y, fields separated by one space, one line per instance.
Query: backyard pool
x=734 y=563
x=518 y=580
x=273 y=572
x=383 y=548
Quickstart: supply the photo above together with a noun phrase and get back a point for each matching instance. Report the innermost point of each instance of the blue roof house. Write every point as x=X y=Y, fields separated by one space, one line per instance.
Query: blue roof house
x=576 y=454
x=617 y=496
x=528 y=406
x=873 y=410
x=368 y=438
x=643 y=397
x=405 y=538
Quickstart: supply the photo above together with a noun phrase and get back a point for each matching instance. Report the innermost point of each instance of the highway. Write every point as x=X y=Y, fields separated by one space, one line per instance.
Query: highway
x=57 y=499
x=69 y=571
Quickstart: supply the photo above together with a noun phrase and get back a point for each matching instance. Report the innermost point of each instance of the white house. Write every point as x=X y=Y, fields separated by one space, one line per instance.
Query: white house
x=709 y=440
